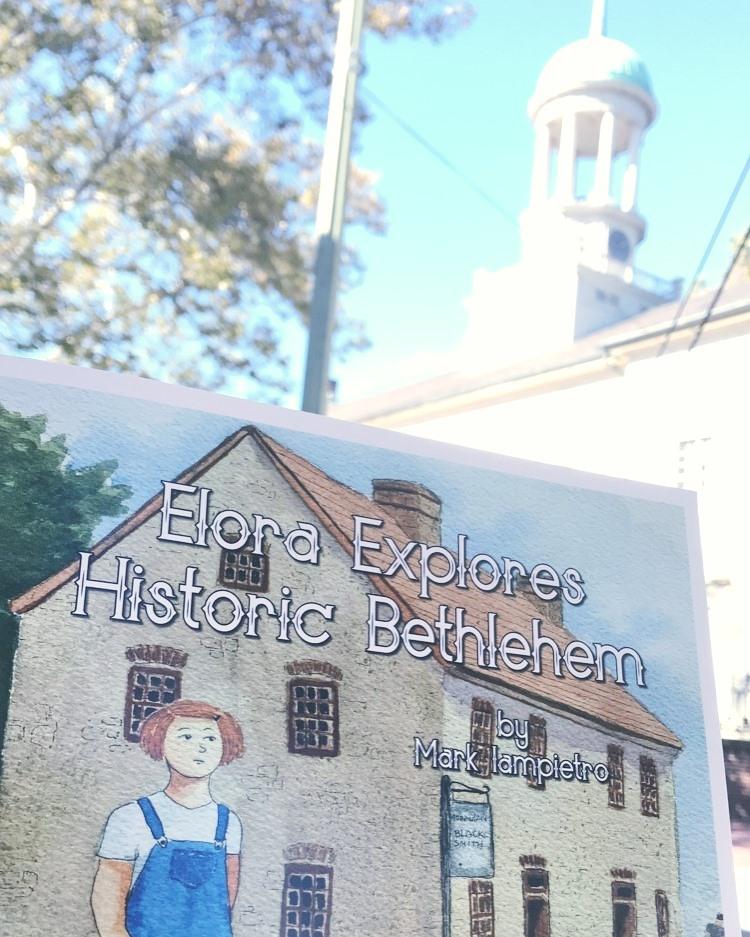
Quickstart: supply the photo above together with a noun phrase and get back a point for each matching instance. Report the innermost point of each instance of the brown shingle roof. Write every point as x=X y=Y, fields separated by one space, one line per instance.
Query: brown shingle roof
x=606 y=703
x=334 y=504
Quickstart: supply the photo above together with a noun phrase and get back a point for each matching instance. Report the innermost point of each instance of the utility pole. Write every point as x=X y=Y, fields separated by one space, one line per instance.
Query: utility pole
x=329 y=220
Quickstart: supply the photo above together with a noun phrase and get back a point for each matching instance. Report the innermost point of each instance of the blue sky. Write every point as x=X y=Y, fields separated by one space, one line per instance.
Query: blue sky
x=468 y=96
x=631 y=552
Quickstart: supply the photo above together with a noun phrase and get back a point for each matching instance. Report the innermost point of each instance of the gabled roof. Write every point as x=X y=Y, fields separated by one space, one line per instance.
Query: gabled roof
x=334 y=504
x=37 y=594
x=606 y=703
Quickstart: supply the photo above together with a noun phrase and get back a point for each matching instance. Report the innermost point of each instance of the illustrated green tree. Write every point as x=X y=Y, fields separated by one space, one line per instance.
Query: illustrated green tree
x=49 y=510
x=158 y=179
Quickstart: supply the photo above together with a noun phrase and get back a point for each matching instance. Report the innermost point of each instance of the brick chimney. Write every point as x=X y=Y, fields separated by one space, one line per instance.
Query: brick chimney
x=416 y=509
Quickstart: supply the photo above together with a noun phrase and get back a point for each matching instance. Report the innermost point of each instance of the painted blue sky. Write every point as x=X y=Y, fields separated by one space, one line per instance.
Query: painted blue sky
x=468 y=96
x=631 y=552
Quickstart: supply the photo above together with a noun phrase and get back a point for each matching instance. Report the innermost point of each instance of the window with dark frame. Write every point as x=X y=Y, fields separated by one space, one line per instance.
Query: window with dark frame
x=662 y=914
x=536 y=915
x=624 y=919
x=244 y=569
x=649 y=787
x=615 y=764
x=481 y=908
x=149 y=689
x=313 y=717
x=306 y=902
x=537 y=747
x=482 y=734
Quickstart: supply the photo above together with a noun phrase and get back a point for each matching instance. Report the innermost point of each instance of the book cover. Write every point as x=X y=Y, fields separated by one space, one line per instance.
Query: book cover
x=266 y=673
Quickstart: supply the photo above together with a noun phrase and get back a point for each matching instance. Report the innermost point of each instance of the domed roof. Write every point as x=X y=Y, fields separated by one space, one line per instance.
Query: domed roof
x=595 y=60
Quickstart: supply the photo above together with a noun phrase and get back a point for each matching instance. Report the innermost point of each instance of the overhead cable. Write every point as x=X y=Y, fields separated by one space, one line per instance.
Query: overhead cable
x=706 y=253
x=434 y=151
x=714 y=301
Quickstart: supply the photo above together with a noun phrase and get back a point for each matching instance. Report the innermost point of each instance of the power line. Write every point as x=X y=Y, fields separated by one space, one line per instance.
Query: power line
x=447 y=163
x=704 y=258
x=714 y=301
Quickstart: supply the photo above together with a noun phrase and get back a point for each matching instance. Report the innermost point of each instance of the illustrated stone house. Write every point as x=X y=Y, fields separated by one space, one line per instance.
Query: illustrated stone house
x=341 y=831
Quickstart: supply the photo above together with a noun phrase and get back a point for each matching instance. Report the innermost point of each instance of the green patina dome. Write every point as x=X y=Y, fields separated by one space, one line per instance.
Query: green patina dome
x=595 y=60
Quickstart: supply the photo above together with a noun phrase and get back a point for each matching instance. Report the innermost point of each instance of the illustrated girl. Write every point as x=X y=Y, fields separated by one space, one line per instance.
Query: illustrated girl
x=169 y=863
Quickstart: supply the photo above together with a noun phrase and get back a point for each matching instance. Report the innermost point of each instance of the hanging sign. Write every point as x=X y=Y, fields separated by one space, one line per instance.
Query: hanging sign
x=471 y=852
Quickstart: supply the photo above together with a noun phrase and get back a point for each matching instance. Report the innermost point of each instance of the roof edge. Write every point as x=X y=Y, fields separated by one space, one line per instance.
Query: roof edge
x=601 y=356
x=497 y=682
x=38 y=593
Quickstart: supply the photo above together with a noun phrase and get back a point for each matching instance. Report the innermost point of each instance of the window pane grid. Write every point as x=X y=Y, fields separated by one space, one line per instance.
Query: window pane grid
x=244 y=569
x=481 y=909
x=313 y=718
x=149 y=689
x=649 y=787
x=616 y=776
x=537 y=746
x=536 y=914
x=624 y=919
x=482 y=734
x=306 y=908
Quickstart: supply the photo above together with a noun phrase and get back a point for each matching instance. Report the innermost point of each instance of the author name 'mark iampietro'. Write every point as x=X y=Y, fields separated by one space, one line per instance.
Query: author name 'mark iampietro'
x=485 y=759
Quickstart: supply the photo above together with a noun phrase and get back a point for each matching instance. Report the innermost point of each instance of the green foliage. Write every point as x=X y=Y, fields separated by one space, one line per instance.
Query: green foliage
x=158 y=182
x=48 y=508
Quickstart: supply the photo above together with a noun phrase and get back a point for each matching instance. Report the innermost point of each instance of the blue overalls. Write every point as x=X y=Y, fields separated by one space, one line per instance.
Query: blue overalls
x=182 y=890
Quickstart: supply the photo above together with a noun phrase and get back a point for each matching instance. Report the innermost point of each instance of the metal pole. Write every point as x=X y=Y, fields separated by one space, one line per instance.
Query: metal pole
x=445 y=877
x=329 y=220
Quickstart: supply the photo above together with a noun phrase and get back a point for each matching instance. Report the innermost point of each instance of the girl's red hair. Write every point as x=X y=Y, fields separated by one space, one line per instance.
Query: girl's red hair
x=155 y=728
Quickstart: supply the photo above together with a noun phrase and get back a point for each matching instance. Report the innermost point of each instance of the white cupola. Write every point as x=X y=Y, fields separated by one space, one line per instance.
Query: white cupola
x=591 y=108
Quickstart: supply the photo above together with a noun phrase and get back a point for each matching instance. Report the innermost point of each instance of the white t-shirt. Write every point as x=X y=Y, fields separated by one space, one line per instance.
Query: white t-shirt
x=127 y=836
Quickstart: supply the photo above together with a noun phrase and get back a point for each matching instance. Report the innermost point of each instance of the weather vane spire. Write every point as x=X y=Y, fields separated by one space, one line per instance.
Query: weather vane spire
x=598 y=18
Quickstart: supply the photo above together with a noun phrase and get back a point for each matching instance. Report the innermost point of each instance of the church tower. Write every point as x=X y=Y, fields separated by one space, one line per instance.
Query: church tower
x=591 y=109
